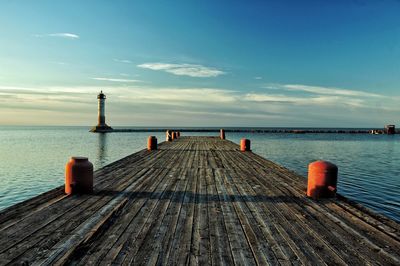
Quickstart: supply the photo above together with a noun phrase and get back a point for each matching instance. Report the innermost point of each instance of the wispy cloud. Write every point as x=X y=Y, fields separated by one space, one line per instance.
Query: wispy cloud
x=117 y=80
x=190 y=70
x=125 y=61
x=181 y=96
x=60 y=63
x=326 y=100
x=318 y=96
x=258 y=78
x=64 y=35
x=322 y=90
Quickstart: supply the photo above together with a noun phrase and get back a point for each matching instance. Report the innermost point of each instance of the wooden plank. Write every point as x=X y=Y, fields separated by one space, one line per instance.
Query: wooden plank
x=241 y=252
x=221 y=253
x=200 y=253
x=262 y=252
x=169 y=226
x=183 y=255
x=180 y=248
x=175 y=228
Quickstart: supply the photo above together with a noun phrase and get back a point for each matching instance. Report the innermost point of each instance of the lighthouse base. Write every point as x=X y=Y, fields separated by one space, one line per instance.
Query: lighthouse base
x=101 y=129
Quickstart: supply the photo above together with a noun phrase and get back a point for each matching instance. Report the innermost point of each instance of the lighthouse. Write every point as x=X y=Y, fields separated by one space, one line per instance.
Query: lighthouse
x=101 y=117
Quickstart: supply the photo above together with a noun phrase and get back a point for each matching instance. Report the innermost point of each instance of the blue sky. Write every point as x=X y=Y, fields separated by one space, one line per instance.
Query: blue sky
x=201 y=63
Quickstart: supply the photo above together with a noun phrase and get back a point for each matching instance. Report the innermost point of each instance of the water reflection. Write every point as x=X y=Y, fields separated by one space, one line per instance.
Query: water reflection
x=102 y=150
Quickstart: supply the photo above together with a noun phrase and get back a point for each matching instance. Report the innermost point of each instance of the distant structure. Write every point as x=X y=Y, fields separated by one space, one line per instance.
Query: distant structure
x=390 y=129
x=101 y=127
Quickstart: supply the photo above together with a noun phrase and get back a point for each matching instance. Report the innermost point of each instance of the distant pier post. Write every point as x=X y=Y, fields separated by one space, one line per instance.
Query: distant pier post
x=151 y=143
x=168 y=135
x=174 y=135
x=222 y=133
x=101 y=127
x=390 y=129
x=245 y=145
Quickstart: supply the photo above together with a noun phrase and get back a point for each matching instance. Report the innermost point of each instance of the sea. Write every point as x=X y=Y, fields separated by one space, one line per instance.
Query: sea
x=32 y=159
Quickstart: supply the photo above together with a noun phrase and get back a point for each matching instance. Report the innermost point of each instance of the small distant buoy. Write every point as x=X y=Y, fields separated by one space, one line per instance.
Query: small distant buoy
x=151 y=143
x=173 y=135
x=168 y=135
x=244 y=145
x=78 y=176
x=322 y=180
x=222 y=133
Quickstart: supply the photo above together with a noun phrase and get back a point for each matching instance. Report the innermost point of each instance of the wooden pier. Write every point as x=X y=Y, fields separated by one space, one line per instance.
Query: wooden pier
x=197 y=201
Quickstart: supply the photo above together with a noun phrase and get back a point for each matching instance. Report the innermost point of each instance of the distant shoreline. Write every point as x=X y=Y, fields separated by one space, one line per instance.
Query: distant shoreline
x=254 y=130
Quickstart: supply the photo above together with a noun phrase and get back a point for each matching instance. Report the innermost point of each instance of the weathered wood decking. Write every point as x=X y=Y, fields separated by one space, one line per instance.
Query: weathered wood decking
x=197 y=200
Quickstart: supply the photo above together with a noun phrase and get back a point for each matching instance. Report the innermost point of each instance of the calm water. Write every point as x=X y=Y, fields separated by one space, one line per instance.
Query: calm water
x=32 y=159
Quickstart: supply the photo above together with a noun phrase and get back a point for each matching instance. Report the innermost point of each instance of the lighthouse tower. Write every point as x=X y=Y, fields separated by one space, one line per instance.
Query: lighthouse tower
x=101 y=119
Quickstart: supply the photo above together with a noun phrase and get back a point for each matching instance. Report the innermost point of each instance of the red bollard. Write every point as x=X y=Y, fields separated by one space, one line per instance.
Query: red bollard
x=78 y=176
x=222 y=133
x=245 y=145
x=322 y=180
x=173 y=135
x=151 y=143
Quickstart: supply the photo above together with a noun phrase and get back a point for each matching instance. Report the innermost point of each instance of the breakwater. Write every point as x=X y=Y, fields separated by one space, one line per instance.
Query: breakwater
x=257 y=130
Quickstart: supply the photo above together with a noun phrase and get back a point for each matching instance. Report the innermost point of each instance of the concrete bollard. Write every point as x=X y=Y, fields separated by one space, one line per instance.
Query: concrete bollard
x=245 y=145
x=168 y=135
x=78 y=176
x=222 y=133
x=151 y=143
x=322 y=180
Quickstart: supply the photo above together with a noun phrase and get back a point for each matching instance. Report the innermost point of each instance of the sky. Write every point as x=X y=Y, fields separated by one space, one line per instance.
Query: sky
x=200 y=63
